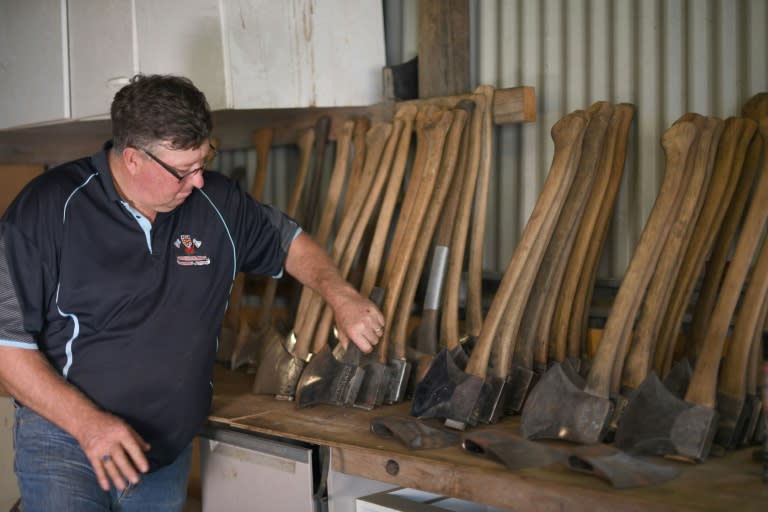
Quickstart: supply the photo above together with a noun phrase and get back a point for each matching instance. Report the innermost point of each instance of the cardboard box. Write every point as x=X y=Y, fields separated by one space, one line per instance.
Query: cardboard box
x=12 y=180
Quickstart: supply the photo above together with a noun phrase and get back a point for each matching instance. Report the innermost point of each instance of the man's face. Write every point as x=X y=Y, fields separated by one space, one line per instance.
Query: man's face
x=169 y=176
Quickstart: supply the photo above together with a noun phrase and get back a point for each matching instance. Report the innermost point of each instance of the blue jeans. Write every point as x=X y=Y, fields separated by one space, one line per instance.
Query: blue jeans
x=55 y=475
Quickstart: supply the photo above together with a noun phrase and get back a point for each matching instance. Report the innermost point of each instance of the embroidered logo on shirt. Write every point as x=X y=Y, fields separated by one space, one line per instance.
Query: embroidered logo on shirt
x=190 y=257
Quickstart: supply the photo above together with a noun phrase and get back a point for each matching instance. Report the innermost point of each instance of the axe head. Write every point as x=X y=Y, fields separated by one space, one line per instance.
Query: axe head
x=279 y=369
x=733 y=415
x=326 y=380
x=557 y=408
x=755 y=412
x=432 y=397
x=511 y=450
x=678 y=378
x=400 y=373
x=373 y=388
x=520 y=381
x=492 y=401
x=657 y=422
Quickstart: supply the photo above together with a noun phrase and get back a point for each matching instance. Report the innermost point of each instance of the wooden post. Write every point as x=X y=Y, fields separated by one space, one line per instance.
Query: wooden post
x=443 y=47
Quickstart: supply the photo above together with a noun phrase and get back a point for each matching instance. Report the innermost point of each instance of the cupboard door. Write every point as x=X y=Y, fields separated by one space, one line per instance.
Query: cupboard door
x=349 y=54
x=303 y=53
x=101 y=56
x=268 y=50
x=34 y=77
x=183 y=37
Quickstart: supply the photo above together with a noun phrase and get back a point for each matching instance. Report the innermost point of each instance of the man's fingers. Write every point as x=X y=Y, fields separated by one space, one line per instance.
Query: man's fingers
x=101 y=474
x=136 y=454
x=115 y=474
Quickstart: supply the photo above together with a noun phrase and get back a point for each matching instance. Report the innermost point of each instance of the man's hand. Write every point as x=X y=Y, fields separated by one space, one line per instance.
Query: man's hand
x=114 y=449
x=357 y=319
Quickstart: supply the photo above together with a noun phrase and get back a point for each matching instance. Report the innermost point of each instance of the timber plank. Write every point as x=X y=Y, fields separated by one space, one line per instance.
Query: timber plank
x=731 y=482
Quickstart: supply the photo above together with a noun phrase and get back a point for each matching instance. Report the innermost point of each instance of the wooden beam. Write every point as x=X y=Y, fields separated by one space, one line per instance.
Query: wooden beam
x=443 y=47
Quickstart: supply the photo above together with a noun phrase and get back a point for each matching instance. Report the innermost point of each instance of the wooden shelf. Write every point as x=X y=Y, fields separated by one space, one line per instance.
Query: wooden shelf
x=731 y=482
x=60 y=142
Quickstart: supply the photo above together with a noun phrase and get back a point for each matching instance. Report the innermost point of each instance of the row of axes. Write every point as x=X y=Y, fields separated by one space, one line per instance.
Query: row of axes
x=416 y=187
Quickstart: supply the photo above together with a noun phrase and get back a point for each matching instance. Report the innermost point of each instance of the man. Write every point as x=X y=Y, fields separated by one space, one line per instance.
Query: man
x=116 y=270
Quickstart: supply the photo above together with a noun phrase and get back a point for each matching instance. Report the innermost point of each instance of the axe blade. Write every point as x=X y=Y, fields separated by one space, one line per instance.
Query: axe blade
x=678 y=378
x=492 y=401
x=326 y=380
x=733 y=419
x=279 y=369
x=557 y=408
x=755 y=408
x=432 y=396
x=374 y=383
x=520 y=381
x=657 y=422
x=400 y=374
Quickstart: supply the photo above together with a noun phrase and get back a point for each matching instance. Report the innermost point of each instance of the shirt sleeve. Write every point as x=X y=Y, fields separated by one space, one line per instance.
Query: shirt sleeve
x=12 y=330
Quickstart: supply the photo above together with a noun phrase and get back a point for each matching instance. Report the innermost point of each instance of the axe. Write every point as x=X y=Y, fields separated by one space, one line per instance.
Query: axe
x=277 y=352
x=540 y=306
x=657 y=421
x=313 y=385
x=249 y=339
x=754 y=399
x=640 y=357
x=432 y=125
x=474 y=301
x=569 y=324
x=399 y=364
x=733 y=408
x=756 y=108
x=463 y=398
x=737 y=133
x=317 y=385
x=262 y=140
x=557 y=407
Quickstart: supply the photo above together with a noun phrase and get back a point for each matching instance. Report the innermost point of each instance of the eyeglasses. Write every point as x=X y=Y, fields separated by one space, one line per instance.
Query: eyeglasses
x=181 y=176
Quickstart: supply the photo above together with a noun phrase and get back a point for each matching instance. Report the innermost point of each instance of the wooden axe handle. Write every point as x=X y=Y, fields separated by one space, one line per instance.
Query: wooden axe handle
x=372 y=195
x=449 y=325
x=536 y=321
x=749 y=321
x=676 y=141
x=262 y=140
x=335 y=188
x=440 y=192
x=590 y=238
x=727 y=168
x=407 y=114
x=718 y=260
x=432 y=137
x=517 y=281
x=703 y=385
x=715 y=267
x=361 y=128
x=427 y=334
x=322 y=128
x=659 y=293
x=474 y=307
x=376 y=139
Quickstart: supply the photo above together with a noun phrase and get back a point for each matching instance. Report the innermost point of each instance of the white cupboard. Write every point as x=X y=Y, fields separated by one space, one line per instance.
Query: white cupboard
x=65 y=59
x=34 y=75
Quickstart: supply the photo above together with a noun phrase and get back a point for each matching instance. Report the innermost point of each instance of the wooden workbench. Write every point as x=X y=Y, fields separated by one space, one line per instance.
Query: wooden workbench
x=732 y=482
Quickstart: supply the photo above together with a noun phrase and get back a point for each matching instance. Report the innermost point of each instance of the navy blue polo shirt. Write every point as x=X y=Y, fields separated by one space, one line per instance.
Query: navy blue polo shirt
x=129 y=312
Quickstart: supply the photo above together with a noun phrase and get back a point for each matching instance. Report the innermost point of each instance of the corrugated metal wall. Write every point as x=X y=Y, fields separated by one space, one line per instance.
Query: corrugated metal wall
x=667 y=57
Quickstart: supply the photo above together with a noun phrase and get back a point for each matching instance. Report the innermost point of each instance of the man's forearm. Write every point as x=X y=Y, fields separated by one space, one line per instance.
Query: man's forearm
x=312 y=266
x=29 y=378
